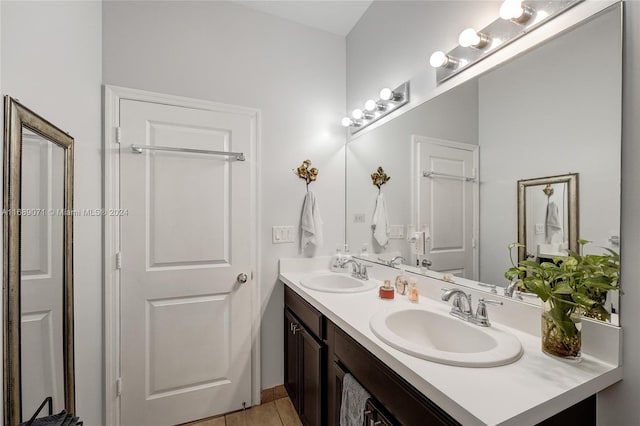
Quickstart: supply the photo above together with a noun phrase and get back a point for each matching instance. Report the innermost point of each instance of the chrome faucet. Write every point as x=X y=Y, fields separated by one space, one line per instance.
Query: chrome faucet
x=510 y=290
x=392 y=262
x=358 y=270
x=461 y=307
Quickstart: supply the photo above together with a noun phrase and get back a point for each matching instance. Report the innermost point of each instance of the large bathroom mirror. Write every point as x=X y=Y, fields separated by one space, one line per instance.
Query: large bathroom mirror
x=38 y=266
x=456 y=160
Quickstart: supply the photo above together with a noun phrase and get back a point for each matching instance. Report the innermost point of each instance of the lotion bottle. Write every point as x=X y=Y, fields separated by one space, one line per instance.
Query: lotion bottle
x=413 y=291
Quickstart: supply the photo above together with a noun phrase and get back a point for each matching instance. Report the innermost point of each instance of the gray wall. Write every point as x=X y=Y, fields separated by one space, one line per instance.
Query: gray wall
x=392 y=43
x=553 y=111
x=430 y=26
x=51 y=60
x=295 y=75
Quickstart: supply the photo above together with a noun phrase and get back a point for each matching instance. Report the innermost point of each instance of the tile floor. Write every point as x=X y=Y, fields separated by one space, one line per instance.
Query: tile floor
x=276 y=410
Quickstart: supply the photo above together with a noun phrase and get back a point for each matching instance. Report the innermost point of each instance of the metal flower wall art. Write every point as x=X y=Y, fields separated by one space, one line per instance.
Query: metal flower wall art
x=380 y=177
x=304 y=171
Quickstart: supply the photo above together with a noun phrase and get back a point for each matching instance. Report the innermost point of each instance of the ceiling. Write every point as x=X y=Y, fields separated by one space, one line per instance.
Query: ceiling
x=337 y=17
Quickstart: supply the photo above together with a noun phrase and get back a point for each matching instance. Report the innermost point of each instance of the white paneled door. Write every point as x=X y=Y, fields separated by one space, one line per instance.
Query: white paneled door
x=42 y=275
x=186 y=256
x=447 y=203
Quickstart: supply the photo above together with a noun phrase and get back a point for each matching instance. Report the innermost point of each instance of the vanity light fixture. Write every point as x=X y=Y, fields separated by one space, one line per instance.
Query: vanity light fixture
x=516 y=10
x=516 y=18
x=348 y=122
x=389 y=101
x=359 y=114
x=439 y=59
x=473 y=38
x=387 y=94
x=372 y=106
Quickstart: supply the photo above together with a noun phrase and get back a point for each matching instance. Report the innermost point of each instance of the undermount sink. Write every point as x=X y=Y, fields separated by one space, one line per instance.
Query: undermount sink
x=444 y=339
x=333 y=282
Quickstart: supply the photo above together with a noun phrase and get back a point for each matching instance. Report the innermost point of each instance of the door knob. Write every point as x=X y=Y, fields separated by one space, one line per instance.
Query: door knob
x=242 y=278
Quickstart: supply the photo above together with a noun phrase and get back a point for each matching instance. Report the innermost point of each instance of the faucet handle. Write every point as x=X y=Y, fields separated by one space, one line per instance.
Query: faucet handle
x=363 y=271
x=482 y=316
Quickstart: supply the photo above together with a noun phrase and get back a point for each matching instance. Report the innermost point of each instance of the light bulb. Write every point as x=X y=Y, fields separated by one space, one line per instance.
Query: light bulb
x=511 y=9
x=468 y=37
x=386 y=94
x=357 y=114
x=472 y=38
x=371 y=105
x=346 y=122
x=515 y=10
x=438 y=59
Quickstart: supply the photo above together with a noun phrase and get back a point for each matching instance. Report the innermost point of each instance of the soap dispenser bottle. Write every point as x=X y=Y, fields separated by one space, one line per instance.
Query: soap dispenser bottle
x=336 y=261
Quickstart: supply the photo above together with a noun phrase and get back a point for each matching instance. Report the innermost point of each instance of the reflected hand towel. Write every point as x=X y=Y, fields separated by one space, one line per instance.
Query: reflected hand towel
x=553 y=222
x=380 y=222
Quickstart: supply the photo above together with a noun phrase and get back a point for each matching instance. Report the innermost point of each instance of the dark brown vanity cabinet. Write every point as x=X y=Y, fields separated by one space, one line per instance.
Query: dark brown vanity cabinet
x=304 y=360
x=318 y=354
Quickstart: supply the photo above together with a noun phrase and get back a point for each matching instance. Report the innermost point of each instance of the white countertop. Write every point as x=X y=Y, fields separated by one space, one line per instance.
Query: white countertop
x=522 y=393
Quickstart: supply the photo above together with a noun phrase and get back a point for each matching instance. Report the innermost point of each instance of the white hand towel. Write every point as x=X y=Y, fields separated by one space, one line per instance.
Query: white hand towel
x=380 y=222
x=354 y=399
x=310 y=222
x=552 y=222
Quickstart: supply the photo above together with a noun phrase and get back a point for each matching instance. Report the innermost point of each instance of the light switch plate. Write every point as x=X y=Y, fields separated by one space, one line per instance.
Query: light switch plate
x=283 y=234
x=396 y=231
x=539 y=228
x=358 y=218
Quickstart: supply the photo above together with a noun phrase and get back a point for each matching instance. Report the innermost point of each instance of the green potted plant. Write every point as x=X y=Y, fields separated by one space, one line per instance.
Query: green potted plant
x=570 y=286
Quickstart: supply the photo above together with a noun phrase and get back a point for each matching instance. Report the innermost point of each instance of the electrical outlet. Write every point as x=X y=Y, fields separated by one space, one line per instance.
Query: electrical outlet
x=539 y=228
x=283 y=234
x=358 y=218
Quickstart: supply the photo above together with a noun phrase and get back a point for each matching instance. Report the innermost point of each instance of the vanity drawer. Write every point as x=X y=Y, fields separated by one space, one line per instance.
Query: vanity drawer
x=310 y=316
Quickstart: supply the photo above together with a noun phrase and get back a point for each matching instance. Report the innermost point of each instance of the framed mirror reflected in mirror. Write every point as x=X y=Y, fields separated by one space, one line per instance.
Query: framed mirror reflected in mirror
x=456 y=159
x=548 y=215
x=38 y=266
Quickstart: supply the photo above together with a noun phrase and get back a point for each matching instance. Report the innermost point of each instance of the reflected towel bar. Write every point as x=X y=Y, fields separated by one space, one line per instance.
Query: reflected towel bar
x=137 y=149
x=431 y=174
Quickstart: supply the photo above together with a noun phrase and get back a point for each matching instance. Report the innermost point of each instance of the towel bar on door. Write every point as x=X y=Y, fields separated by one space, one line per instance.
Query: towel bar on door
x=137 y=149
x=432 y=174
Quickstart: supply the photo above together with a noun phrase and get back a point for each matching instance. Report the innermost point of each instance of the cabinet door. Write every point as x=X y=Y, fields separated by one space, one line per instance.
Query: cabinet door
x=336 y=394
x=291 y=362
x=311 y=381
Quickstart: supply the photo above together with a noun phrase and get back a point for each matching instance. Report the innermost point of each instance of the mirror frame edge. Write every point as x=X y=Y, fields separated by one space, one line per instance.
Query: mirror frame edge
x=16 y=116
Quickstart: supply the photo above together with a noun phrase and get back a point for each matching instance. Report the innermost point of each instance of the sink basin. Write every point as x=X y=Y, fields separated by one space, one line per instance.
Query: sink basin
x=442 y=338
x=333 y=282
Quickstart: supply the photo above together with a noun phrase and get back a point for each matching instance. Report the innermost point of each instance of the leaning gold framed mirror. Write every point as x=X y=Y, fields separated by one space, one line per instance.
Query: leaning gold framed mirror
x=38 y=266
x=548 y=223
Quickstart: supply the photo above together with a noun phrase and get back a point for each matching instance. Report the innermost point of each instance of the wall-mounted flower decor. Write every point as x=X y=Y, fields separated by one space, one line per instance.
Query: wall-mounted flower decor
x=380 y=177
x=304 y=172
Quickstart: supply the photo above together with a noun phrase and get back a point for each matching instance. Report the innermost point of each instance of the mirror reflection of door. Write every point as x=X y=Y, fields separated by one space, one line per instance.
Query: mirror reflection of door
x=447 y=203
x=41 y=287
